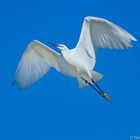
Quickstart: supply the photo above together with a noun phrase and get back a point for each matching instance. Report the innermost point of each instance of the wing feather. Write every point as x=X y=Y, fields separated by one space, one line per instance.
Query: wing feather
x=35 y=63
x=99 y=33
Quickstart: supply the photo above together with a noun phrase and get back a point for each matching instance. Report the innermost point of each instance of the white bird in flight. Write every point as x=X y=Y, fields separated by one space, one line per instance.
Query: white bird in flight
x=78 y=62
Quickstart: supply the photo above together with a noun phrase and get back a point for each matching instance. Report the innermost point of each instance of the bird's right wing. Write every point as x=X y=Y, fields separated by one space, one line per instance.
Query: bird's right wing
x=35 y=63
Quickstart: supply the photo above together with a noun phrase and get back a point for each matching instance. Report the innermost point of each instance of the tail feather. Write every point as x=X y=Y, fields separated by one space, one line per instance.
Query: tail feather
x=95 y=76
x=81 y=83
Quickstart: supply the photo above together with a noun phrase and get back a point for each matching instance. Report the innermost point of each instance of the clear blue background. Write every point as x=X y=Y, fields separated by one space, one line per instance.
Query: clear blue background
x=55 y=108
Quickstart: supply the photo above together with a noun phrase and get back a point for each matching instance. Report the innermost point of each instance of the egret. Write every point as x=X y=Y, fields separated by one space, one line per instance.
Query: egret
x=78 y=62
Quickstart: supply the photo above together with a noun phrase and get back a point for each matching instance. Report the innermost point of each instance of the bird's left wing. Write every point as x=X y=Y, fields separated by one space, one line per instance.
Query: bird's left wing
x=35 y=63
x=99 y=33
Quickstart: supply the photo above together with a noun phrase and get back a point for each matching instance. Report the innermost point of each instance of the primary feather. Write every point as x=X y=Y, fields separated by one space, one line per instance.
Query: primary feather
x=99 y=33
x=35 y=63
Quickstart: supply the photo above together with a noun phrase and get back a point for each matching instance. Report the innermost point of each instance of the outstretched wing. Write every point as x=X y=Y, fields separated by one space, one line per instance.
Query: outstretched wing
x=99 y=33
x=35 y=63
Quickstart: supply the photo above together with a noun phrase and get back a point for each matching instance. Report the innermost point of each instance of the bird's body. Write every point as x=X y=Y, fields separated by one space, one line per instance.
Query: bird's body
x=74 y=66
x=78 y=62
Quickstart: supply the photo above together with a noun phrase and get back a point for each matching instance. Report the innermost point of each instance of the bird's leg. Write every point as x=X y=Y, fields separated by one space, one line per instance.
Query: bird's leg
x=86 y=81
x=99 y=91
x=97 y=86
x=102 y=93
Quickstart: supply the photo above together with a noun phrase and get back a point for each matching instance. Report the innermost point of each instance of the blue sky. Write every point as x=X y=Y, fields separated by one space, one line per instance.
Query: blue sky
x=55 y=108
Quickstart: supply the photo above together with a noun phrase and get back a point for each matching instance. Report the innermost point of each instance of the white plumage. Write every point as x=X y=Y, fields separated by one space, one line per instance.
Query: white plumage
x=78 y=62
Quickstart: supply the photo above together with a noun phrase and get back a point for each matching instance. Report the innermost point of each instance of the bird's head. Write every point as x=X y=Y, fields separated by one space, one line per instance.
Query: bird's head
x=61 y=47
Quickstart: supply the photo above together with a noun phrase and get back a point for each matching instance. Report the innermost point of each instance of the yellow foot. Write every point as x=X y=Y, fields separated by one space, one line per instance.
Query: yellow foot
x=106 y=97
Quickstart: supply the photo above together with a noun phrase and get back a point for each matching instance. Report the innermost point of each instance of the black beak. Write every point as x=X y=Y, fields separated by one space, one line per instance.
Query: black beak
x=52 y=44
